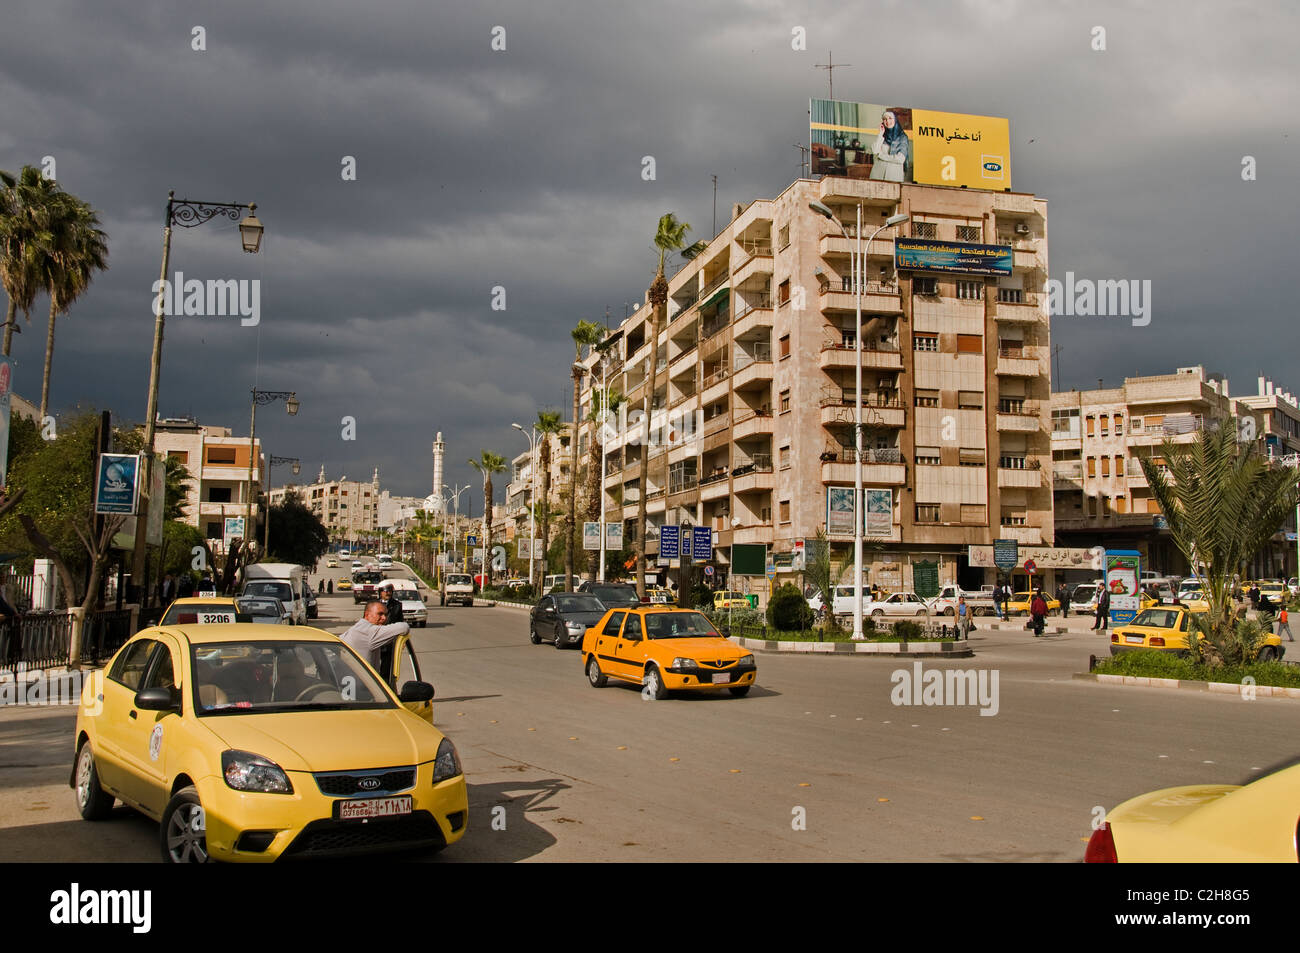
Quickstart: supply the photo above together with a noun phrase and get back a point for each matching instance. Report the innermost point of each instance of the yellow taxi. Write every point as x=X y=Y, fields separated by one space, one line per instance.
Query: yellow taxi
x=1166 y=629
x=1200 y=823
x=729 y=599
x=665 y=650
x=343 y=584
x=1019 y=603
x=201 y=610
x=254 y=742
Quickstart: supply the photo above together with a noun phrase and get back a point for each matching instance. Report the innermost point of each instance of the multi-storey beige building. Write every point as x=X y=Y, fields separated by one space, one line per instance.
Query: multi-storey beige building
x=349 y=509
x=752 y=419
x=1102 y=497
x=525 y=482
x=218 y=467
x=1280 y=418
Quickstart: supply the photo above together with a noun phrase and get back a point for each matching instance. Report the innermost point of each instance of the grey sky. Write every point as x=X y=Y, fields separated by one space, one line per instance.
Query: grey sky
x=522 y=169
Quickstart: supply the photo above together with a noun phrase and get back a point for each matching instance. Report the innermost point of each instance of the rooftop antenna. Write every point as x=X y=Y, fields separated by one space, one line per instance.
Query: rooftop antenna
x=803 y=160
x=715 y=206
x=1056 y=356
x=829 y=66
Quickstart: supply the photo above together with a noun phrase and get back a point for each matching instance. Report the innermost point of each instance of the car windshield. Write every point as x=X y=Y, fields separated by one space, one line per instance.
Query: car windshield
x=1158 y=618
x=458 y=580
x=368 y=577
x=608 y=594
x=578 y=603
x=406 y=595
x=271 y=590
x=250 y=677
x=678 y=625
x=271 y=607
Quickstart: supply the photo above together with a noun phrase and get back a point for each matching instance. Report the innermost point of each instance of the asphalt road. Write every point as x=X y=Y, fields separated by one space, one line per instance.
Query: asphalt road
x=559 y=771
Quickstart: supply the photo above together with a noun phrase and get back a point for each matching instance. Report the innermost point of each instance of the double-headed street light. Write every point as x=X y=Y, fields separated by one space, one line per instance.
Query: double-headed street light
x=260 y=397
x=532 y=496
x=275 y=461
x=858 y=266
x=187 y=214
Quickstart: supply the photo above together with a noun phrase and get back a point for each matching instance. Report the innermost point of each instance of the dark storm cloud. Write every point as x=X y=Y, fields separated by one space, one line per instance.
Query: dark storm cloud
x=522 y=169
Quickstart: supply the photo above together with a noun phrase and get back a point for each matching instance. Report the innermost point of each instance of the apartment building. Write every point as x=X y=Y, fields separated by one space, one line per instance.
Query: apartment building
x=753 y=412
x=218 y=466
x=1280 y=413
x=1101 y=494
x=513 y=519
x=349 y=509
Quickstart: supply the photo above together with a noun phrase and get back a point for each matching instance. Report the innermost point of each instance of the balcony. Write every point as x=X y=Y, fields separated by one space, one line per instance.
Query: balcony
x=714 y=387
x=227 y=473
x=756 y=265
x=752 y=423
x=1068 y=476
x=879 y=468
x=757 y=313
x=839 y=353
x=835 y=189
x=838 y=411
x=1025 y=535
x=876 y=296
x=755 y=474
x=1018 y=307
x=749 y=368
x=1024 y=478
x=1018 y=362
x=752 y=534
x=685 y=358
x=1018 y=416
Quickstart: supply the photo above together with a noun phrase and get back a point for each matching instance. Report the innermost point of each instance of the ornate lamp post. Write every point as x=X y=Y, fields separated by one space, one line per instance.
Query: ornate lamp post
x=187 y=214
x=275 y=462
x=260 y=397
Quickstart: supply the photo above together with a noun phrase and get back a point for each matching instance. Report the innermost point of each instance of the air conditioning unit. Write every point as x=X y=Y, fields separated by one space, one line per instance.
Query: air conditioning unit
x=1022 y=228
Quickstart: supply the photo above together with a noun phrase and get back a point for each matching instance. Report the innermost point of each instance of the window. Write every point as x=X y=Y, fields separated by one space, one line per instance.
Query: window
x=1013 y=518
x=927 y=456
x=925 y=286
x=1119 y=466
x=221 y=455
x=970 y=344
x=785 y=346
x=925 y=342
x=1121 y=505
x=784 y=457
x=1105 y=466
x=219 y=494
x=180 y=456
x=1092 y=466
x=1137 y=424
x=785 y=402
x=785 y=511
x=1091 y=425
x=1011 y=405
x=1105 y=425
x=927 y=512
x=1063 y=421
x=925 y=230
x=783 y=237
x=1012 y=463
x=969 y=233
x=1119 y=425
x=783 y=292
x=971 y=457
x=214 y=531
x=1011 y=296
x=927 y=398
x=970 y=290
x=129 y=668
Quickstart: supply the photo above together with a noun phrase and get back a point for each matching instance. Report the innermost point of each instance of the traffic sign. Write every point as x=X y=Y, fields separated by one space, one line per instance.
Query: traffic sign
x=669 y=538
x=703 y=544
x=708 y=570
x=771 y=571
x=472 y=540
x=1030 y=566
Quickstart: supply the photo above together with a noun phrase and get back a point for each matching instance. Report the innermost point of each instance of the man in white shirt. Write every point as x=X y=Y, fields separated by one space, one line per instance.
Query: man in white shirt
x=370 y=635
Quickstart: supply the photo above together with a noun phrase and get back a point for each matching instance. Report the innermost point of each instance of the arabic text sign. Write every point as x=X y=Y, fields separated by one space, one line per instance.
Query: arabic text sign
x=960 y=258
x=668 y=542
x=117 y=483
x=702 y=550
x=905 y=144
x=1123 y=570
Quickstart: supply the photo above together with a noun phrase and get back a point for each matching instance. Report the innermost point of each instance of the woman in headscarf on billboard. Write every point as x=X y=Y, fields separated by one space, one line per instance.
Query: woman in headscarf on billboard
x=893 y=151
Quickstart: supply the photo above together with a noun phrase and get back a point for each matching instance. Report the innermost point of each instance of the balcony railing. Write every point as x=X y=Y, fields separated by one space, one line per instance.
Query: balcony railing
x=870 y=286
x=1019 y=463
x=719 y=422
x=845 y=341
x=1020 y=351
x=719 y=375
x=1182 y=423
x=1017 y=405
x=714 y=477
x=849 y=455
x=759 y=463
x=1068 y=471
x=837 y=397
x=715 y=284
x=762 y=353
x=756 y=303
x=716 y=323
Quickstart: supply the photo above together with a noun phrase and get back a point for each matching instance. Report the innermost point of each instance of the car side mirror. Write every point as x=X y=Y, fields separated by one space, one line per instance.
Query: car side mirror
x=157 y=699
x=416 y=692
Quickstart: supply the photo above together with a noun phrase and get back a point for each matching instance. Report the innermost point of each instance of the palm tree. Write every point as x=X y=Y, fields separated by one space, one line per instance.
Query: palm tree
x=602 y=404
x=670 y=236
x=549 y=423
x=76 y=249
x=488 y=464
x=1223 y=503
x=23 y=232
x=585 y=334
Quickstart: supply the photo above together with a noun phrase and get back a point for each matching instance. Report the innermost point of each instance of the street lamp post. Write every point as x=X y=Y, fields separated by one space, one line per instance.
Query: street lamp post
x=187 y=214
x=275 y=461
x=858 y=269
x=532 y=497
x=260 y=397
x=455 y=497
x=604 y=420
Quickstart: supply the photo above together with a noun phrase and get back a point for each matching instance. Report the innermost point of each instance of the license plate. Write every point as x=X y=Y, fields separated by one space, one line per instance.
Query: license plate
x=216 y=618
x=722 y=679
x=1135 y=639
x=360 y=808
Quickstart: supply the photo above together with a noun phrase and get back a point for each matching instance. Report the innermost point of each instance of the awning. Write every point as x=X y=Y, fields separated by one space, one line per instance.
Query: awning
x=724 y=290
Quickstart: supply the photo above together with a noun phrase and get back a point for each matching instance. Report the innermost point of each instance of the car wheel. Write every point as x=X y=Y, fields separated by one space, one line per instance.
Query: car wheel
x=594 y=674
x=184 y=830
x=950 y=611
x=93 y=802
x=654 y=683
x=559 y=640
x=921 y=614
x=878 y=614
x=1267 y=654
x=533 y=636
x=740 y=691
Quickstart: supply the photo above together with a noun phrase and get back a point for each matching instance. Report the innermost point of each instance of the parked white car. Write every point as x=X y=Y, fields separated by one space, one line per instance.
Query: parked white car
x=945 y=603
x=414 y=612
x=898 y=604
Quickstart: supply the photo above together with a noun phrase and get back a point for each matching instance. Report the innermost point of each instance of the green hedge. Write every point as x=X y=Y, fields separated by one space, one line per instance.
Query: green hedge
x=1157 y=664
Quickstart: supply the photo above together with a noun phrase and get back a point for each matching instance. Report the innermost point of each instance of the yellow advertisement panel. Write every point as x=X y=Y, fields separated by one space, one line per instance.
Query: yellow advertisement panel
x=905 y=144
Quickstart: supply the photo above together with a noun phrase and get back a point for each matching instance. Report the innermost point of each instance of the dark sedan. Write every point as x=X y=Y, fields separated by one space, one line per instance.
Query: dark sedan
x=563 y=618
x=614 y=595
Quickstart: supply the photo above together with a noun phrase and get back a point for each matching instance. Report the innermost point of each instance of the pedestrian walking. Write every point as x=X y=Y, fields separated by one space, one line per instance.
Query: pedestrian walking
x=1063 y=597
x=329 y=586
x=963 y=617
x=1283 y=624
x=1038 y=609
x=1101 y=610
x=997 y=602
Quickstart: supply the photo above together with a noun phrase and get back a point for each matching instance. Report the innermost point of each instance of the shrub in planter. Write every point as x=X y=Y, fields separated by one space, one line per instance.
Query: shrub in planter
x=788 y=610
x=907 y=630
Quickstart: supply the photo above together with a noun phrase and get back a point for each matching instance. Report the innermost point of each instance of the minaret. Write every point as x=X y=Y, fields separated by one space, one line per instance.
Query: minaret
x=439 y=450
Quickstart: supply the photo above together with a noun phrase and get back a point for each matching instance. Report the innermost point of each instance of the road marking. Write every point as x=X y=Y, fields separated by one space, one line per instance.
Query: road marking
x=734 y=770
x=573 y=737
x=976 y=817
x=622 y=747
x=674 y=759
x=804 y=784
x=1164 y=756
x=492 y=722
x=882 y=800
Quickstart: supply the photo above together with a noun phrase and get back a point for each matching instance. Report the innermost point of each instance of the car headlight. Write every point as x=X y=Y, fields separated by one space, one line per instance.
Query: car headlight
x=244 y=771
x=746 y=660
x=685 y=663
x=576 y=626
x=447 y=764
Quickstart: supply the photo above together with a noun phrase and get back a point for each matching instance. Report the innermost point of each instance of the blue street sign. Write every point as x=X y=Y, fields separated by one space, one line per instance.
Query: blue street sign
x=702 y=550
x=116 y=484
x=668 y=542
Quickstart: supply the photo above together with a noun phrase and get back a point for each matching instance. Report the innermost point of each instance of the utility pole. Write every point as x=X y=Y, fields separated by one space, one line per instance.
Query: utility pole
x=803 y=160
x=1056 y=373
x=715 y=206
x=829 y=66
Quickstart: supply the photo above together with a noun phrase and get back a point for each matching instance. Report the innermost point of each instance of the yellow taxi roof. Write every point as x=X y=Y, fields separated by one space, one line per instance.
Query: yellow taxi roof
x=245 y=632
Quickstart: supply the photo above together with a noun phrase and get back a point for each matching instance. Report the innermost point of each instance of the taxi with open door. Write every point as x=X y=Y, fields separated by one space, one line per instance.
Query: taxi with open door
x=253 y=742
x=665 y=650
x=1167 y=629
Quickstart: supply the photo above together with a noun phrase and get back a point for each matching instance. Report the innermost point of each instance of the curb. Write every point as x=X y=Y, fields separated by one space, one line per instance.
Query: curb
x=1218 y=688
x=960 y=649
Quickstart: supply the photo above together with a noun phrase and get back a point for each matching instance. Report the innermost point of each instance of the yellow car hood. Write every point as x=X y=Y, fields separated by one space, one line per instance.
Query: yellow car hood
x=331 y=740
x=698 y=648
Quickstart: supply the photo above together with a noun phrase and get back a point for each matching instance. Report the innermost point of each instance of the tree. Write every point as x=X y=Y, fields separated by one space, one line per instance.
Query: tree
x=1222 y=501
x=584 y=334
x=488 y=464
x=670 y=236
x=549 y=423
x=297 y=534
x=75 y=249
x=602 y=405
x=23 y=232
